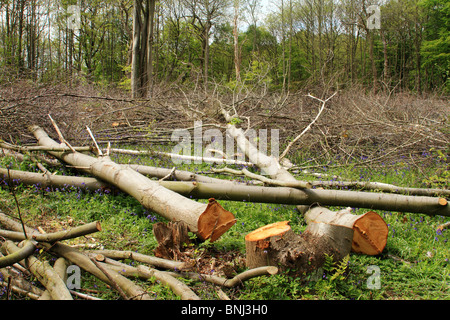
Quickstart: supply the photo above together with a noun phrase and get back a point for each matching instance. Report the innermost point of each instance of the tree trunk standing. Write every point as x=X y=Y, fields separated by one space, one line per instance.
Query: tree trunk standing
x=208 y=221
x=206 y=34
x=136 y=71
x=143 y=47
x=151 y=4
x=417 y=44
x=237 y=54
x=20 y=60
x=372 y=61
x=386 y=60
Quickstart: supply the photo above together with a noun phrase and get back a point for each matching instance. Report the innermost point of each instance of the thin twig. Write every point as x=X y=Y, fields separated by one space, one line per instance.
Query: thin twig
x=61 y=137
x=11 y=188
x=168 y=175
x=100 y=153
x=309 y=126
x=113 y=282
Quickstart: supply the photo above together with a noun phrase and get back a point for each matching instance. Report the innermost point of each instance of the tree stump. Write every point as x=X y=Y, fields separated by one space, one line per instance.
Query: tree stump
x=172 y=239
x=370 y=230
x=277 y=245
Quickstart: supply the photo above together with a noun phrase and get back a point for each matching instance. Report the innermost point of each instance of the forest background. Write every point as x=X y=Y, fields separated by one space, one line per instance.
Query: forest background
x=288 y=44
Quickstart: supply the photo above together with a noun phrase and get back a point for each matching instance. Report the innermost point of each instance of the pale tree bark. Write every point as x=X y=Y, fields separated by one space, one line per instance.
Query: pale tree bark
x=208 y=221
x=289 y=194
x=45 y=274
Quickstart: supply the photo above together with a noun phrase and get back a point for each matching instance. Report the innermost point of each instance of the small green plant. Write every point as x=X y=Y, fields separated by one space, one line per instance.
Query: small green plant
x=333 y=274
x=235 y=121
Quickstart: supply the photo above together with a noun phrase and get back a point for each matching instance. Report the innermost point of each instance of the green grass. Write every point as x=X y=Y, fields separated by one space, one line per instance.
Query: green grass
x=414 y=264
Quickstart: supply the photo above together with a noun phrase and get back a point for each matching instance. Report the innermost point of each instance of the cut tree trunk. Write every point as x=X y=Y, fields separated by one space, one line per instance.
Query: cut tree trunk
x=277 y=245
x=370 y=230
x=209 y=221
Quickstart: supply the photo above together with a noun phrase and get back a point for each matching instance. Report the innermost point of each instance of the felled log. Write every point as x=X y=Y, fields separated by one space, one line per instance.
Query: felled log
x=308 y=197
x=60 y=267
x=277 y=245
x=370 y=230
x=209 y=221
x=280 y=195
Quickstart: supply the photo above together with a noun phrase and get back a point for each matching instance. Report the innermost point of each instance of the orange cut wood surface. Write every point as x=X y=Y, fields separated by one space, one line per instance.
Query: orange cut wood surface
x=270 y=230
x=214 y=221
x=370 y=234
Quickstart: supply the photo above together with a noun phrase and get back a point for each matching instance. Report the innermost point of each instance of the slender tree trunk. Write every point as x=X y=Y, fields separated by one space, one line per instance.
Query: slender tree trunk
x=237 y=54
x=385 y=55
x=135 y=58
x=371 y=36
x=206 y=54
x=150 y=47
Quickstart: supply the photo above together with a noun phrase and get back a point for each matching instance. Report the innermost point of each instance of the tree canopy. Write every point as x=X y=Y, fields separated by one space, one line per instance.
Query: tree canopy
x=288 y=45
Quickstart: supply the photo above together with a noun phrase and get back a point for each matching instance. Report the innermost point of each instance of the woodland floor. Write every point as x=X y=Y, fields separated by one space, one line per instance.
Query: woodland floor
x=396 y=138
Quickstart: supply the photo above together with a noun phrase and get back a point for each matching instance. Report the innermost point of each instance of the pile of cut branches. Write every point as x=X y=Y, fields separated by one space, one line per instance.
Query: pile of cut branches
x=21 y=256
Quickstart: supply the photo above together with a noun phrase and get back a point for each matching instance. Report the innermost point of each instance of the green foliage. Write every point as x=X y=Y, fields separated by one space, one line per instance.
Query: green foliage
x=286 y=42
x=435 y=48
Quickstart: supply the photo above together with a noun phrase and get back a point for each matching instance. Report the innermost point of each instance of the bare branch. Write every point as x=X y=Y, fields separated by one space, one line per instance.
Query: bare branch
x=309 y=126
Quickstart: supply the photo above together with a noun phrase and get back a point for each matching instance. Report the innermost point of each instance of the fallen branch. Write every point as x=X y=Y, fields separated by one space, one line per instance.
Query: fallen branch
x=112 y=281
x=83 y=261
x=268 y=181
x=443 y=226
x=383 y=187
x=179 y=288
x=13 y=278
x=42 y=148
x=229 y=283
x=55 y=236
x=144 y=272
x=45 y=274
x=132 y=291
x=27 y=250
x=308 y=127
x=139 y=257
x=22 y=291
x=175 y=156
